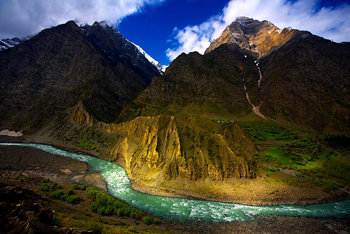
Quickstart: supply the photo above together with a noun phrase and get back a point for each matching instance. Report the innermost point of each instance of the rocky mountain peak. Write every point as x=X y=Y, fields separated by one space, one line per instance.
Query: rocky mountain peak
x=261 y=37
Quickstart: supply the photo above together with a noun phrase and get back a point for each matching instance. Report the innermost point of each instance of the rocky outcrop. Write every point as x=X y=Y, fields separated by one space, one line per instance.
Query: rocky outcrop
x=156 y=150
x=261 y=37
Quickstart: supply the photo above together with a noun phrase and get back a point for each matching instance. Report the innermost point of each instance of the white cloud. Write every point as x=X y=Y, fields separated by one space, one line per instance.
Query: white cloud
x=24 y=17
x=331 y=23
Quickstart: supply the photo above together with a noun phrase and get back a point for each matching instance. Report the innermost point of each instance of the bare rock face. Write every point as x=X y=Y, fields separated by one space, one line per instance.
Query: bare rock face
x=260 y=37
x=159 y=149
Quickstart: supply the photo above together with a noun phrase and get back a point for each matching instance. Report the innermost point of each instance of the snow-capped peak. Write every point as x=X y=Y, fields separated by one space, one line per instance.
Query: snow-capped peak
x=11 y=42
x=160 y=67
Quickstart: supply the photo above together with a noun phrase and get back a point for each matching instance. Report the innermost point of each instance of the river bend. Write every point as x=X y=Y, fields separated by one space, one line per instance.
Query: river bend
x=187 y=209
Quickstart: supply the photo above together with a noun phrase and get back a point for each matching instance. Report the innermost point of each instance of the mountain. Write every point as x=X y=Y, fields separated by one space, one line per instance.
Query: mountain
x=132 y=49
x=260 y=37
x=288 y=77
x=306 y=83
x=180 y=134
x=8 y=43
x=64 y=65
x=303 y=79
x=189 y=130
x=209 y=86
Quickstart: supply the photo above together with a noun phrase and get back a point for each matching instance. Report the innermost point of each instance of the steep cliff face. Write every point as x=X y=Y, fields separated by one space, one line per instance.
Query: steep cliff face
x=261 y=37
x=156 y=150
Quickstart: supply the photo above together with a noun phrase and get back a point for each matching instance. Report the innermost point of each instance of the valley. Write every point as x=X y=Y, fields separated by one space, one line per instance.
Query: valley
x=257 y=125
x=258 y=222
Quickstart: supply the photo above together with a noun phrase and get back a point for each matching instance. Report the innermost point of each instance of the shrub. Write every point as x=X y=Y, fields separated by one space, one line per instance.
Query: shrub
x=64 y=197
x=94 y=206
x=57 y=194
x=90 y=191
x=87 y=145
x=79 y=187
x=101 y=210
x=109 y=210
x=119 y=212
x=45 y=187
x=156 y=220
x=70 y=192
x=107 y=205
x=53 y=188
x=147 y=220
x=73 y=200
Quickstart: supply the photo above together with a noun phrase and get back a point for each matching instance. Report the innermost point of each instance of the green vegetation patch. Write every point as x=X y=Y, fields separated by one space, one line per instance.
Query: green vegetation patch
x=104 y=204
x=260 y=131
x=87 y=145
x=303 y=154
x=279 y=155
x=337 y=167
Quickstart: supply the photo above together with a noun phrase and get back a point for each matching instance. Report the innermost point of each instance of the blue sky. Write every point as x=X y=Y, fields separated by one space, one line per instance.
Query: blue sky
x=153 y=28
x=166 y=28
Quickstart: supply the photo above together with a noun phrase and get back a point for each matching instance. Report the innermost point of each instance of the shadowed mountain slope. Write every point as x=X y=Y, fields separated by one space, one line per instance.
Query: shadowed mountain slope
x=210 y=86
x=42 y=77
x=307 y=82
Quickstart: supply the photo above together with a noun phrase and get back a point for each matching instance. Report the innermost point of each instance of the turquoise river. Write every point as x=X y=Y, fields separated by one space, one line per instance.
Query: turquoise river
x=187 y=209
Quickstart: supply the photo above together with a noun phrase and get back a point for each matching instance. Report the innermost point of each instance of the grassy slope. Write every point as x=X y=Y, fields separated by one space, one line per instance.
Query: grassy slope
x=305 y=155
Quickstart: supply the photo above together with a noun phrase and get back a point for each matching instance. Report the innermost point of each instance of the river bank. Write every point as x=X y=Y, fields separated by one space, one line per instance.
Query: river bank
x=262 y=223
x=252 y=192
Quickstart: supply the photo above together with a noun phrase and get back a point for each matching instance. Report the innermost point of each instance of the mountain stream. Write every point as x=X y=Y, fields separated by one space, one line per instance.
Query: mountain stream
x=255 y=108
x=188 y=209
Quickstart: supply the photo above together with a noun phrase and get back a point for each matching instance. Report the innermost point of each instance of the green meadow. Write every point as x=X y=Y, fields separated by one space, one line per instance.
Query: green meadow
x=308 y=155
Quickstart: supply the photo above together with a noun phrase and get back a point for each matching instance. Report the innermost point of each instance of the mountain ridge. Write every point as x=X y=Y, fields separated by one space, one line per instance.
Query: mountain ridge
x=11 y=42
x=63 y=65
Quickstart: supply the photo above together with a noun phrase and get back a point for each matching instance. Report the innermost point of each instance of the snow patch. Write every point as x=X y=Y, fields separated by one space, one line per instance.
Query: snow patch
x=149 y=58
